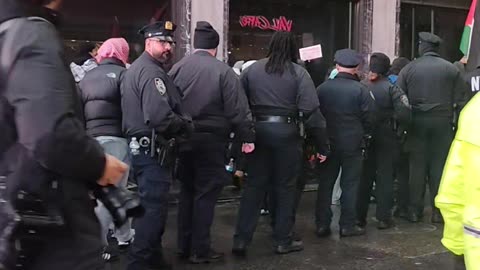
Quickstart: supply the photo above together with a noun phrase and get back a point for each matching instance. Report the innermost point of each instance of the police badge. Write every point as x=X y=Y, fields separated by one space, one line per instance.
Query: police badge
x=162 y=89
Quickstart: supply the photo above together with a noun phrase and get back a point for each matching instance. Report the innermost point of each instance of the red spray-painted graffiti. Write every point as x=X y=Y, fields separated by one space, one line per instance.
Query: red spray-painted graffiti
x=280 y=24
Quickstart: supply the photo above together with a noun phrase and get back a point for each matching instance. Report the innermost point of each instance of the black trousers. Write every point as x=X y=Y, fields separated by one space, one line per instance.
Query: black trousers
x=202 y=176
x=273 y=167
x=402 y=173
x=81 y=247
x=429 y=143
x=153 y=186
x=351 y=164
x=378 y=168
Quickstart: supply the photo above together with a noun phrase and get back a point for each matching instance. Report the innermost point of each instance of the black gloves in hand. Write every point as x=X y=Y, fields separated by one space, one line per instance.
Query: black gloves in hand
x=320 y=138
x=187 y=128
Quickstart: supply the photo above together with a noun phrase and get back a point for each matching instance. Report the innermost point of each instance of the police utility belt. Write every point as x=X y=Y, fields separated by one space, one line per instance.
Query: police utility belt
x=157 y=147
x=275 y=119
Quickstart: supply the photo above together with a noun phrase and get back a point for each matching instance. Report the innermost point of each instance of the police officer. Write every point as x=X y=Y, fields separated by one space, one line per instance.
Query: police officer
x=401 y=164
x=45 y=141
x=151 y=102
x=214 y=98
x=279 y=91
x=346 y=104
x=391 y=104
x=434 y=88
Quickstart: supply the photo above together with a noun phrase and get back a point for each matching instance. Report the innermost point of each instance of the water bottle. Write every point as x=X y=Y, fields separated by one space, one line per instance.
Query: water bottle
x=134 y=147
x=230 y=167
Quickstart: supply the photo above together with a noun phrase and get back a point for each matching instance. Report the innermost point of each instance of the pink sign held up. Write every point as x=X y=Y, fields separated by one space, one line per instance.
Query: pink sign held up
x=310 y=53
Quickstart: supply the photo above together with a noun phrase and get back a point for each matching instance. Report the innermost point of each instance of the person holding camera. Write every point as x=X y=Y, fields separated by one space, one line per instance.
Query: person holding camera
x=45 y=143
x=152 y=121
x=101 y=100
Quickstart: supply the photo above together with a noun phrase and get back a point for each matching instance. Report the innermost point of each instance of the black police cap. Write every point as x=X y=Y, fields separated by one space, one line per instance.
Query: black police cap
x=161 y=30
x=429 y=38
x=348 y=58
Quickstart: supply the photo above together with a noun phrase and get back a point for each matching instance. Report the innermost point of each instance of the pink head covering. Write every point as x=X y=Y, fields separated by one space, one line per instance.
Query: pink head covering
x=114 y=48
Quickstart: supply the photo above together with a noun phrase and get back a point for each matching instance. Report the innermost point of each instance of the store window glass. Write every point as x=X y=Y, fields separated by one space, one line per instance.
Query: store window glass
x=92 y=21
x=448 y=23
x=324 y=22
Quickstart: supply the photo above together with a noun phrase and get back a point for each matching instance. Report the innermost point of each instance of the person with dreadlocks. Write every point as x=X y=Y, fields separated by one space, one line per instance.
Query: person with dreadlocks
x=279 y=92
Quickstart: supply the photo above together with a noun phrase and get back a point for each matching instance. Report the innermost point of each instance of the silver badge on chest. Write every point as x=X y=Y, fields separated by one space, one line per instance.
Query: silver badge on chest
x=162 y=89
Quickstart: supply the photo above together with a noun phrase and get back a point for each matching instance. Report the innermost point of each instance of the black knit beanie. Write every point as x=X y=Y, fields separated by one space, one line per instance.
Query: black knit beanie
x=205 y=36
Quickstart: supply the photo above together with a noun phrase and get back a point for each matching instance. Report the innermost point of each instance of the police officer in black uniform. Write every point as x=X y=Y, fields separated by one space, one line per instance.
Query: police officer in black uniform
x=434 y=87
x=391 y=104
x=279 y=91
x=151 y=104
x=402 y=165
x=214 y=98
x=347 y=106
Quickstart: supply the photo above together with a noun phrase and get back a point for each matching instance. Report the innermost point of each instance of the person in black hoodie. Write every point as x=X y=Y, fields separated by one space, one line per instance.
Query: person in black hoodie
x=51 y=144
x=101 y=100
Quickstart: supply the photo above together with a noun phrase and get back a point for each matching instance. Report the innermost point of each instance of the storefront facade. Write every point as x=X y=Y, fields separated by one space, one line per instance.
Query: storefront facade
x=390 y=26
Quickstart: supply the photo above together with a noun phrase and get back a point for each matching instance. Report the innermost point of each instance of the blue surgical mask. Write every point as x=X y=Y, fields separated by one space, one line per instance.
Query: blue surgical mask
x=333 y=74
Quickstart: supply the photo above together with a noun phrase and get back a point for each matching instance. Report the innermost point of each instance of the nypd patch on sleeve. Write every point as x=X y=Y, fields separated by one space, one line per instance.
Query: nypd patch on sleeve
x=160 y=85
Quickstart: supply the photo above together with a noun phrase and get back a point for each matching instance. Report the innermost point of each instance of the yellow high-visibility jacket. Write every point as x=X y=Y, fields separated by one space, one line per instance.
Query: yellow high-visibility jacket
x=459 y=194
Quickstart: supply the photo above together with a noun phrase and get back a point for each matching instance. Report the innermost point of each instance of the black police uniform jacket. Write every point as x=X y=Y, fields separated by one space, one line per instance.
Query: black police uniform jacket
x=213 y=96
x=391 y=103
x=286 y=95
x=433 y=85
x=50 y=141
x=348 y=107
x=101 y=98
x=150 y=100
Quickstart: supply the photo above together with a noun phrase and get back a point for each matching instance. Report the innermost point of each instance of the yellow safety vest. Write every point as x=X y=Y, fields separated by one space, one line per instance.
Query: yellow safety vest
x=459 y=194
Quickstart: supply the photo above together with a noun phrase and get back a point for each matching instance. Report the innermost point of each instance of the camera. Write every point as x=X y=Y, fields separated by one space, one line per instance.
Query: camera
x=121 y=203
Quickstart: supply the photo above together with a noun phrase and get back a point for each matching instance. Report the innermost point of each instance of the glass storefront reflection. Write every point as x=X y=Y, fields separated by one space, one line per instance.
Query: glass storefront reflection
x=448 y=23
x=253 y=22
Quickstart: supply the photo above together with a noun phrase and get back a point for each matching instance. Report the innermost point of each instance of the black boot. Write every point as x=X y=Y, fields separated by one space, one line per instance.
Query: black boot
x=239 y=248
x=292 y=247
x=401 y=212
x=385 y=224
x=413 y=217
x=211 y=257
x=353 y=231
x=323 y=231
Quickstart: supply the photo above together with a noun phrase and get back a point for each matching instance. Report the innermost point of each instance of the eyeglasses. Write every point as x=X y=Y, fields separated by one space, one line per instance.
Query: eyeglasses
x=163 y=42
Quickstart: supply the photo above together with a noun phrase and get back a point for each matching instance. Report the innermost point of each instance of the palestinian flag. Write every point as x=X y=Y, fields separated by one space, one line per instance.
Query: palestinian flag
x=473 y=61
x=467 y=33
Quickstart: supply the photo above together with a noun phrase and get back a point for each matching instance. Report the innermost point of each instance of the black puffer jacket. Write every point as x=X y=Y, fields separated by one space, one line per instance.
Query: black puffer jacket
x=101 y=98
